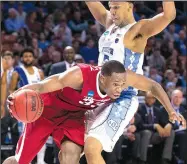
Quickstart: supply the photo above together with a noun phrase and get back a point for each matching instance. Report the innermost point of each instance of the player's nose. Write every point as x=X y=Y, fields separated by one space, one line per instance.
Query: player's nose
x=119 y=90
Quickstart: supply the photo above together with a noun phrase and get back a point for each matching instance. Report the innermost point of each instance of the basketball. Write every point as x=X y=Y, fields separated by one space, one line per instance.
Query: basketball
x=28 y=106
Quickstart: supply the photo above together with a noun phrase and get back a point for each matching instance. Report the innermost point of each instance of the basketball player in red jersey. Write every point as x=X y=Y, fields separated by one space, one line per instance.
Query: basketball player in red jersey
x=67 y=96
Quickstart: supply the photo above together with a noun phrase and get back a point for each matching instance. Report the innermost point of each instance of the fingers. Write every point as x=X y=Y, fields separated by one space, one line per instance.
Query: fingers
x=9 y=102
x=175 y=117
x=179 y=118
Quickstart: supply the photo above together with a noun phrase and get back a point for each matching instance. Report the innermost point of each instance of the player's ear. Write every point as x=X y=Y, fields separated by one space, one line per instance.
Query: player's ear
x=102 y=79
x=130 y=6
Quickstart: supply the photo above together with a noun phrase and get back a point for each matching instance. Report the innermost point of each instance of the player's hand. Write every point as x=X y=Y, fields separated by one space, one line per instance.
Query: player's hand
x=10 y=99
x=174 y=116
x=10 y=103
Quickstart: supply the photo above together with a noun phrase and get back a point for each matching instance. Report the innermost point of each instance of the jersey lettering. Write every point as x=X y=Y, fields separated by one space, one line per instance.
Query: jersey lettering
x=113 y=124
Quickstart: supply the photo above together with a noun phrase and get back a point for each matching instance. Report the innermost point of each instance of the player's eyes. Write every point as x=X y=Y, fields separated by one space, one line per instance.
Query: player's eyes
x=115 y=84
x=116 y=7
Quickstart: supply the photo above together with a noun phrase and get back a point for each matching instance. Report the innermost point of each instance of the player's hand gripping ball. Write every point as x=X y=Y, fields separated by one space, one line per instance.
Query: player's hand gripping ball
x=25 y=105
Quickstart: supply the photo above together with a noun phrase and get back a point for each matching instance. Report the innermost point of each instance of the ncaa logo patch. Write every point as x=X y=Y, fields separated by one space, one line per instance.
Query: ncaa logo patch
x=106 y=33
x=90 y=93
x=116 y=40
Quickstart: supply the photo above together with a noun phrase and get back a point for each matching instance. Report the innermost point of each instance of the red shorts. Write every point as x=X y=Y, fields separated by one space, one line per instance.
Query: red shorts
x=62 y=123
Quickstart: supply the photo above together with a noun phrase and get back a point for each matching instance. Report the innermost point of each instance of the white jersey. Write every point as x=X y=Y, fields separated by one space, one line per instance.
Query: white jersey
x=34 y=78
x=26 y=78
x=110 y=123
x=111 y=47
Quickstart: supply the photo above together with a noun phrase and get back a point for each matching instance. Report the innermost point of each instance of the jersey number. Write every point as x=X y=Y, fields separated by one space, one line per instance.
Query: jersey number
x=106 y=58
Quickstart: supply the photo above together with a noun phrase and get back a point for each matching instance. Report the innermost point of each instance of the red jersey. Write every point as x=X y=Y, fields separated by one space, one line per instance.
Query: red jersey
x=69 y=99
x=63 y=115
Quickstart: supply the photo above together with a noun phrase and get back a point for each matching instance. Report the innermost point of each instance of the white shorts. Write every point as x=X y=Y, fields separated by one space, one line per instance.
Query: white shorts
x=110 y=123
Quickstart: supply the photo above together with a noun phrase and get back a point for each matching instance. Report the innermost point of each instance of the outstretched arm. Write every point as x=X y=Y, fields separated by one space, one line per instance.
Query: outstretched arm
x=71 y=78
x=158 y=23
x=100 y=13
x=145 y=84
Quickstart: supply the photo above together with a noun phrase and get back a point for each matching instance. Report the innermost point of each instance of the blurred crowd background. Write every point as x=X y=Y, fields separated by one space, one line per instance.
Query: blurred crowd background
x=66 y=33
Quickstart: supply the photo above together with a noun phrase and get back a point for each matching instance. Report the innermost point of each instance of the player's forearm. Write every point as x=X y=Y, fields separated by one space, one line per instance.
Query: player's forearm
x=50 y=84
x=37 y=87
x=169 y=10
x=159 y=93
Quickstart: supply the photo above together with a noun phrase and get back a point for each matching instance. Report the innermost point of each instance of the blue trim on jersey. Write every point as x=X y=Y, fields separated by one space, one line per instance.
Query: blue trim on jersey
x=22 y=76
x=126 y=94
x=131 y=61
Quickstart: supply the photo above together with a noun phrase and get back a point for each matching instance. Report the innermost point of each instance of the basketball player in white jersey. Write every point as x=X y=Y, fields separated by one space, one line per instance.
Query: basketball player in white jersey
x=23 y=75
x=26 y=73
x=124 y=40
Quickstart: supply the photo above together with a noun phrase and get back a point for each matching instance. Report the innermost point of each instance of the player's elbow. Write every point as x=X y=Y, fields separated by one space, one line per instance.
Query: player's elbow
x=173 y=16
x=170 y=16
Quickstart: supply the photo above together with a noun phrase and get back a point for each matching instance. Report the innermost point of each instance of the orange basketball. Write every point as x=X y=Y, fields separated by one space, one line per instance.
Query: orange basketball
x=28 y=106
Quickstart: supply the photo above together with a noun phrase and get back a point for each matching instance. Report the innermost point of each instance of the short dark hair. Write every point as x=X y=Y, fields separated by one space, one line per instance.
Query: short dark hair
x=7 y=53
x=28 y=49
x=112 y=66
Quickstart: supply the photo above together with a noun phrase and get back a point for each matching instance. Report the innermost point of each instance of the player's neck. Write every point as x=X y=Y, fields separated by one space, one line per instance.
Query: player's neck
x=127 y=21
x=28 y=67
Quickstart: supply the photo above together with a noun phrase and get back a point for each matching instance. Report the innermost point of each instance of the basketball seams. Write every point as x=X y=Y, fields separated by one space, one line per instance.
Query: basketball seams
x=37 y=107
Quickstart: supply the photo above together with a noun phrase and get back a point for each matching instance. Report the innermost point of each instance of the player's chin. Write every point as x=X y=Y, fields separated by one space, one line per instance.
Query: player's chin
x=115 y=96
x=116 y=22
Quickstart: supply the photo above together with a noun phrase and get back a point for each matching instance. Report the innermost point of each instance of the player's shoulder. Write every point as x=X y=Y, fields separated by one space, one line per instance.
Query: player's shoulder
x=88 y=67
x=141 y=22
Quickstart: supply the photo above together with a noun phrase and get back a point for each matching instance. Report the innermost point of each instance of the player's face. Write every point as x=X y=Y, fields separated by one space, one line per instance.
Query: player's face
x=28 y=59
x=9 y=61
x=115 y=84
x=120 y=12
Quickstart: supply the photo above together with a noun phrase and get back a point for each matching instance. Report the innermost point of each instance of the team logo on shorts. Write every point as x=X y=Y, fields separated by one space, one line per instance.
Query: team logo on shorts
x=113 y=124
x=90 y=93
